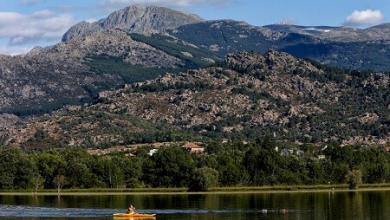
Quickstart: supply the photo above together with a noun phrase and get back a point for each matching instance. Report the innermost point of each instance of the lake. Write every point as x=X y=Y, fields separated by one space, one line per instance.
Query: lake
x=319 y=205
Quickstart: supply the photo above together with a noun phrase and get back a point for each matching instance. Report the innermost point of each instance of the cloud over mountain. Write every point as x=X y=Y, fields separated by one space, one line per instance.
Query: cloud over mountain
x=19 y=30
x=364 y=17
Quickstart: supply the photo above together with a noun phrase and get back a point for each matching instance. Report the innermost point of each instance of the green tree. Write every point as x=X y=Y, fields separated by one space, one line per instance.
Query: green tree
x=59 y=182
x=8 y=161
x=203 y=178
x=169 y=167
x=113 y=174
x=25 y=172
x=17 y=170
x=37 y=182
x=354 y=179
x=78 y=169
x=132 y=171
x=262 y=165
x=230 y=171
x=49 y=164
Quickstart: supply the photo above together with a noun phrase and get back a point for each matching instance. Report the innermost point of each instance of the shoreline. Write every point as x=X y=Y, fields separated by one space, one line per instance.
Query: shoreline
x=216 y=191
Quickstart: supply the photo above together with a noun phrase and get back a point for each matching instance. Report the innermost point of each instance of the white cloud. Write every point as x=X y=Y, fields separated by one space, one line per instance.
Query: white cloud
x=20 y=30
x=364 y=17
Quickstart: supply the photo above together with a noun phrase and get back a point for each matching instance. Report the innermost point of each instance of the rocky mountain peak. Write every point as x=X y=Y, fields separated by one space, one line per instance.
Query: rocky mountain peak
x=135 y=19
x=271 y=60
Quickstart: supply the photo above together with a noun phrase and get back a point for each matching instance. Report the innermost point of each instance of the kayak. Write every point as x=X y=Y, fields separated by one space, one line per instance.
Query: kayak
x=133 y=216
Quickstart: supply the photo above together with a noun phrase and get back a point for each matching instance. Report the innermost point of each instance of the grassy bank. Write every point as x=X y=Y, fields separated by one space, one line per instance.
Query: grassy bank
x=216 y=190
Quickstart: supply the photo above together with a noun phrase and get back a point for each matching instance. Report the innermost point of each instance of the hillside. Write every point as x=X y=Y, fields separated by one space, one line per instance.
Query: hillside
x=76 y=71
x=141 y=43
x=247 y=96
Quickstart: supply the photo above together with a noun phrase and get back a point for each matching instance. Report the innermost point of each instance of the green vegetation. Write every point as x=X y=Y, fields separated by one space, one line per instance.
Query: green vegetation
x=354 y=179
x=356 y=55
x=28 y=109
x=224 y=165
x=225 y=35
x=115 y=66
x=176 y=48
x=100 y=65
x=203 y=179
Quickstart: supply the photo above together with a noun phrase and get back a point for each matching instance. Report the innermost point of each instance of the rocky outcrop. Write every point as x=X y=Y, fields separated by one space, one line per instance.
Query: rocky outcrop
x=271 y=61
x=248 y=96
x=134 y=19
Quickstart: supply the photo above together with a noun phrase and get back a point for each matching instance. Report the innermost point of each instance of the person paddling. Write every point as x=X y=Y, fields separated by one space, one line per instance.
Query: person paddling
x=131 y=209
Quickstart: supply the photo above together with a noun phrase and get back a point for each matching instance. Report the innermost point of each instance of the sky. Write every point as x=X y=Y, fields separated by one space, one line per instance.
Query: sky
x=25 y=24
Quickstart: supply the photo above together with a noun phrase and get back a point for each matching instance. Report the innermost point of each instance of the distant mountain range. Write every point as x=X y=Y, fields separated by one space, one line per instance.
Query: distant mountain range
x=363 y=49
x=140 y=44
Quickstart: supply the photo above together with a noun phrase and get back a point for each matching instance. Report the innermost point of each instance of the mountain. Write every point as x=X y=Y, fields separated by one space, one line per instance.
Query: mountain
x=367 y=49
x=338 y=34
x=134 y=19
x=63 y=73
x=74 y=72
x=362 y=49
x=141 y=43
x=246 y=96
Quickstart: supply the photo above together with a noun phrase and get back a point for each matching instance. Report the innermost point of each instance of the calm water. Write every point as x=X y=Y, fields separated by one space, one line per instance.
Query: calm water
x=302 y=206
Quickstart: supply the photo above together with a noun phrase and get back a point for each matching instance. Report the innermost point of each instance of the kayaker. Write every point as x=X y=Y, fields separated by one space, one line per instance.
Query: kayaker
x=131 y=209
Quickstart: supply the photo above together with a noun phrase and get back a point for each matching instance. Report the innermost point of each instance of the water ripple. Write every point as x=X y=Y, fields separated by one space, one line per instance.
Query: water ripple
x=30 y=211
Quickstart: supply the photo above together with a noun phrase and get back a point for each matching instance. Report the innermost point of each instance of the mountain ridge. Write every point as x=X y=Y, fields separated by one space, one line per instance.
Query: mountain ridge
x=135 y=19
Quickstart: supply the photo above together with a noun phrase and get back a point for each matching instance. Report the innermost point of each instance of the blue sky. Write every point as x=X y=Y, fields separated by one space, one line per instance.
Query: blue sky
x=28 y=23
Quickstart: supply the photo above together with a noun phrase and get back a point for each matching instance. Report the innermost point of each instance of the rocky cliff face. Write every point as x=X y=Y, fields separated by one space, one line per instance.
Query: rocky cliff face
x=248 y=96
x=64 y=73
x=135 y=19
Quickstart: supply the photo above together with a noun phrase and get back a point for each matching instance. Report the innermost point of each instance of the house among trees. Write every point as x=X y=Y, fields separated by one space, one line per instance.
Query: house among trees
x=194 y=148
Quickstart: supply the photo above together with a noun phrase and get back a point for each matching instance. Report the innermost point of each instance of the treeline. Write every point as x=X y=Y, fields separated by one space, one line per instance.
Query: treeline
x=230 y=164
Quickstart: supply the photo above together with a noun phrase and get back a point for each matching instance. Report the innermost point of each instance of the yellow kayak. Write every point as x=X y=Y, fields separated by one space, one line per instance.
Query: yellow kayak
x=133 y=216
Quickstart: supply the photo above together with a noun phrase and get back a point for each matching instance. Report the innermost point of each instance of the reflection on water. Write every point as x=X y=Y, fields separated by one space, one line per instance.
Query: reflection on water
x=329 y=205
